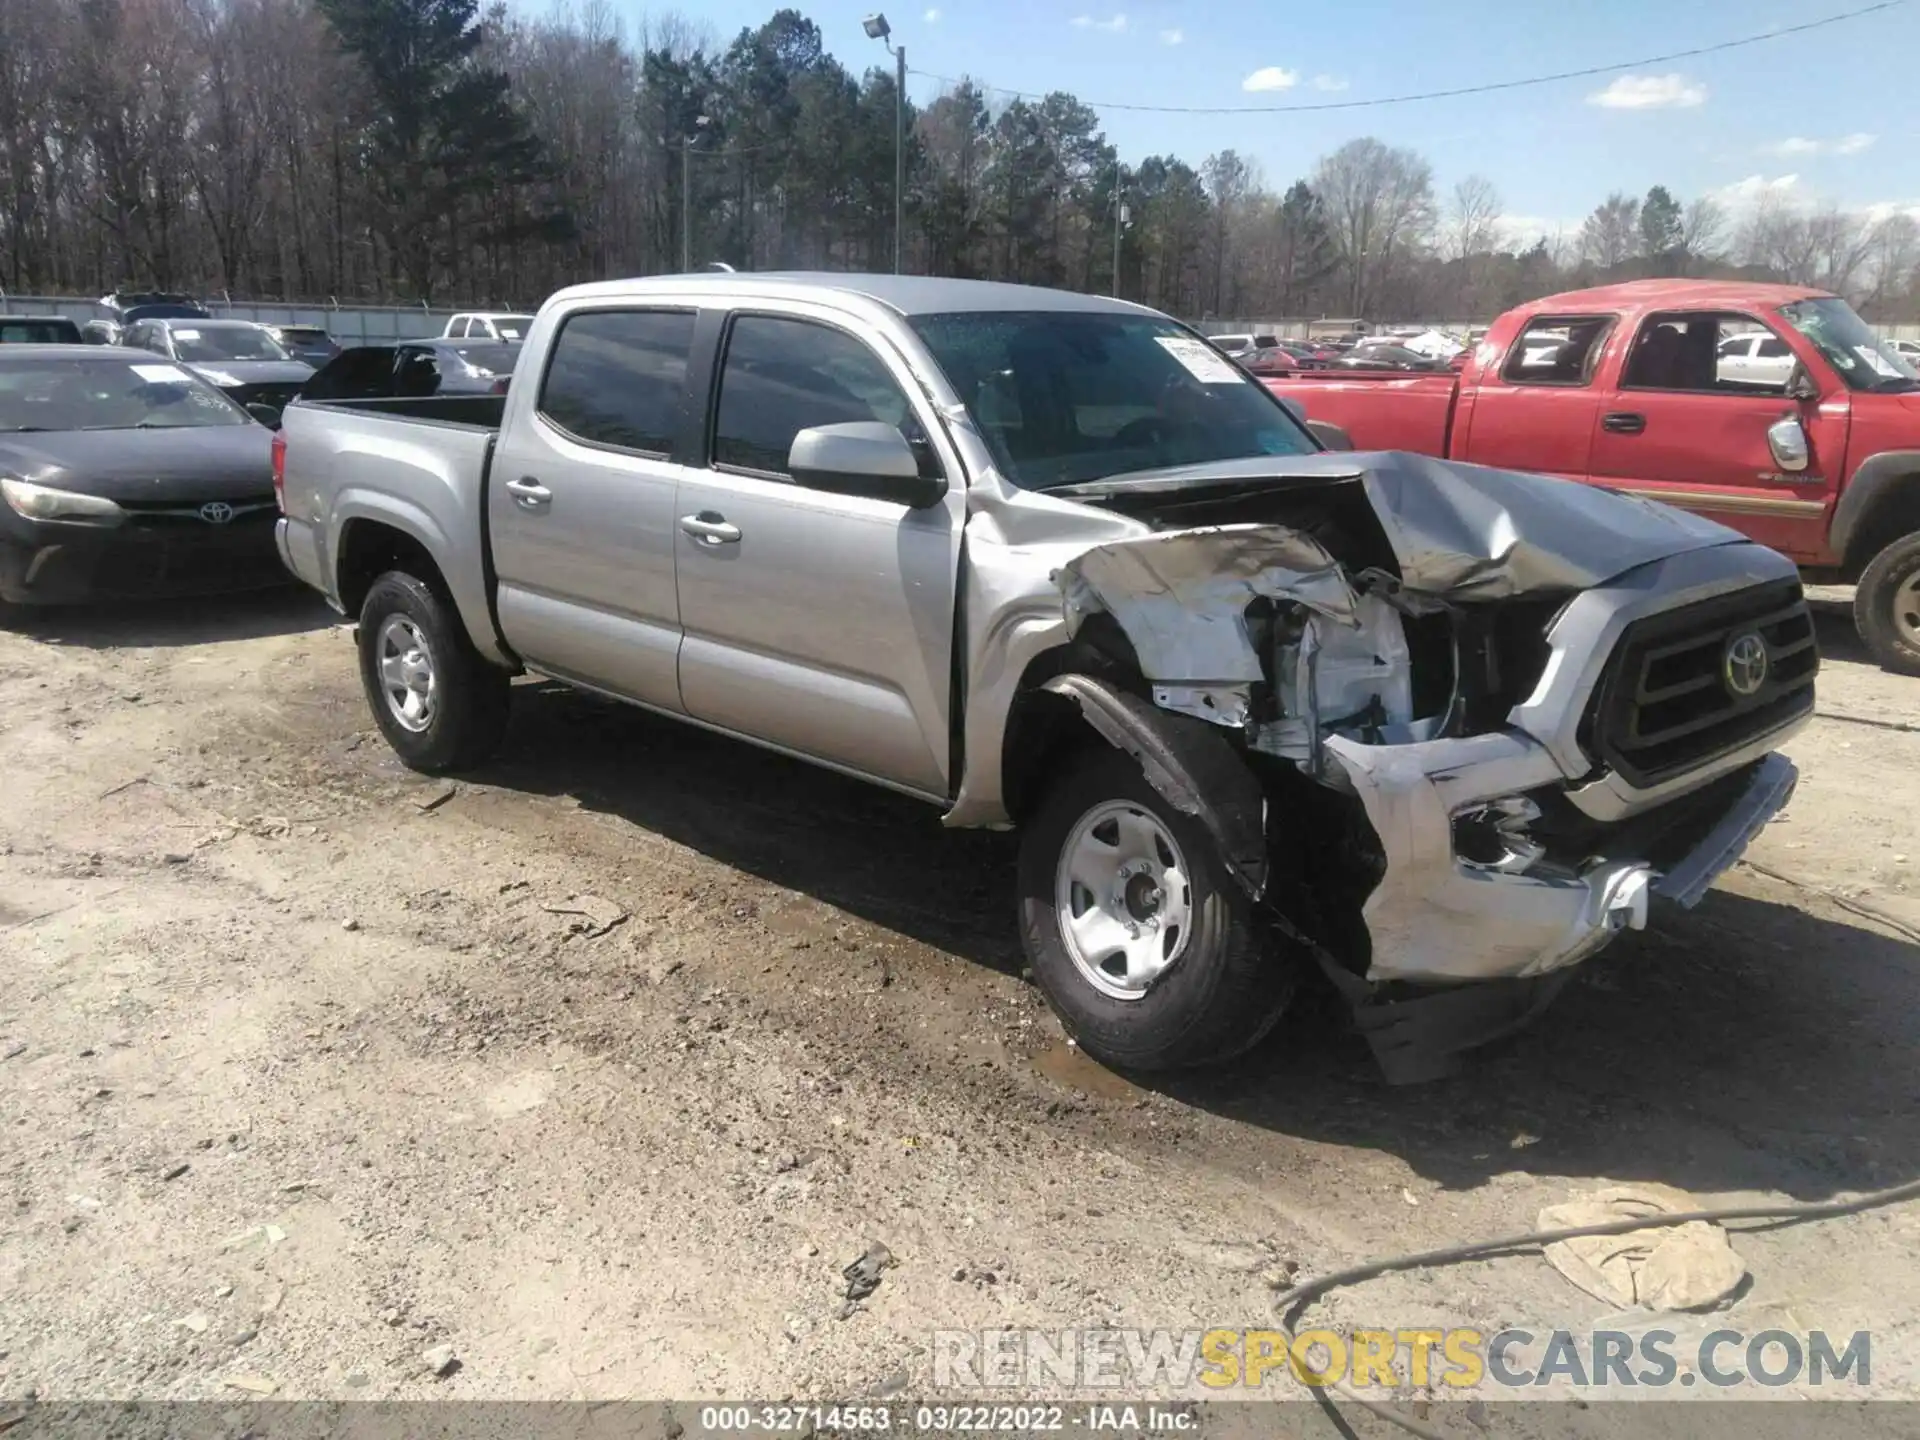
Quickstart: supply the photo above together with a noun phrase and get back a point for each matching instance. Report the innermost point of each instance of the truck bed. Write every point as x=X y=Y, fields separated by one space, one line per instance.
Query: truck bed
x=1379 y=410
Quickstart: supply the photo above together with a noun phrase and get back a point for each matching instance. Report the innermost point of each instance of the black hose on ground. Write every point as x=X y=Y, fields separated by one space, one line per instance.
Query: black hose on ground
x=1292 y=1300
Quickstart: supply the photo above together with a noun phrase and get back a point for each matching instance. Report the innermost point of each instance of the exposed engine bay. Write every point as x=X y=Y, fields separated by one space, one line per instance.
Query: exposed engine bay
x=1428 y=643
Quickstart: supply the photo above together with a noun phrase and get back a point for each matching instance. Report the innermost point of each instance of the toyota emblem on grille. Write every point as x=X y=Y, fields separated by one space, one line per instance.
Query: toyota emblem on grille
x=1744 y=668
x=218 y=512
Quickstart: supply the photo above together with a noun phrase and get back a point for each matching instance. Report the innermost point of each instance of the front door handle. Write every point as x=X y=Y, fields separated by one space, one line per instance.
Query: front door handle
x=710 y=528
x=528 y=492
x=1624 y=422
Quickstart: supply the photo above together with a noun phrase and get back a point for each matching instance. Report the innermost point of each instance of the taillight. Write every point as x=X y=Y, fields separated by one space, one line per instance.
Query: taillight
x=280 y=470
x=500 y=386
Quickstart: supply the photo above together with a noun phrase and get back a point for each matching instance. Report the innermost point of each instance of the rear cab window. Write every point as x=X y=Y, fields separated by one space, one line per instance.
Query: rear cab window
x=782 y=375
x=1557 y=350
x=618 y=378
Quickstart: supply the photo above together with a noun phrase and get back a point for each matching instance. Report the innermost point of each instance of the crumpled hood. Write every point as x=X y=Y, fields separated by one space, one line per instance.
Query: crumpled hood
x=203 y=462
x=1465 y=532
x=228 y=373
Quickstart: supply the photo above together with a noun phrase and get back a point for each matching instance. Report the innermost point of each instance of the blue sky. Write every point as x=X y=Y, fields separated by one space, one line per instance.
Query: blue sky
x=1837 y=110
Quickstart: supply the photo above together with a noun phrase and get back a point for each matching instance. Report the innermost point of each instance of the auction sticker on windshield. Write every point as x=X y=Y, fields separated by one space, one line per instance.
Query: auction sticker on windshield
x=1201 y=360
x=161 y=374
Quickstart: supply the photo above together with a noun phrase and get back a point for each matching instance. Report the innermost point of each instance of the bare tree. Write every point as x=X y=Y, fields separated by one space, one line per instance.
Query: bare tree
x=1702 y=227
x=1379 y=208
x=1896 y=261
x=1473 y=219
x=1611 y=234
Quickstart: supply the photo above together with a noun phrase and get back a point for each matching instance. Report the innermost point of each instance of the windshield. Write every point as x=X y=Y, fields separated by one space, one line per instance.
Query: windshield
x=1063 y=397
x=226 y=342
x=1864 y=360
x=488 y=359
x=108 y=394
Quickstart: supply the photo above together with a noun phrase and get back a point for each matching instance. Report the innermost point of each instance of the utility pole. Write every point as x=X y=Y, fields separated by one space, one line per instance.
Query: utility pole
x=1120 y=218
x=899 y=152
x=877 y=28
x=686 y=194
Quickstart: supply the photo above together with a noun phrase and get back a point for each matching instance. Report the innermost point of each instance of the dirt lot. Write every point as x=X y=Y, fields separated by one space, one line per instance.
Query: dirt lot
x=312 y=1065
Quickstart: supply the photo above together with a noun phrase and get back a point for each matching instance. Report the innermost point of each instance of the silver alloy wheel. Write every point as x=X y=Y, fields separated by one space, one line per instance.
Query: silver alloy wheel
x=406 y=673
x=1906 y=609
x=1124 y=898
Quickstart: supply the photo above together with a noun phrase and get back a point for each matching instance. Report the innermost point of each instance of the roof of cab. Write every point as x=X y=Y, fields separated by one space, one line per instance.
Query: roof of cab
x=1689 y=294
x=903 y=294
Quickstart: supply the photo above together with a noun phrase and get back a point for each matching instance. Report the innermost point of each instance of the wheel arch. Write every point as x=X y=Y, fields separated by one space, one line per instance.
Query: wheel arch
x=1880 y=504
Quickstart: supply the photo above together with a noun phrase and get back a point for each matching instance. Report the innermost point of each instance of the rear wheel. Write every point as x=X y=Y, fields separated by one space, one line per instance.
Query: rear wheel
x=1886 y=606
x=440 y=705
x=1153 y=957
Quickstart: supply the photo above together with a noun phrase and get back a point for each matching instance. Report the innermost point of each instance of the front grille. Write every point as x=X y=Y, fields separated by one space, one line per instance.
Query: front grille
x=1669 y=702
x=241 y=510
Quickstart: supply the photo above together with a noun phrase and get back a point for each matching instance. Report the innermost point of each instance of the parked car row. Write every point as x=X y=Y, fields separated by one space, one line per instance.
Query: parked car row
x=136 y=452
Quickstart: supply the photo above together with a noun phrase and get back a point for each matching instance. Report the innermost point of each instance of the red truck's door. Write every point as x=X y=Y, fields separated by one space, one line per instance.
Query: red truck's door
x=1683 y=427
x=1534 y=407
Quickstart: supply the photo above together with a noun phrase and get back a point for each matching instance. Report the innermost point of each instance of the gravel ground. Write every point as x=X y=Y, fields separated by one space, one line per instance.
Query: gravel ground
x=597 y=1067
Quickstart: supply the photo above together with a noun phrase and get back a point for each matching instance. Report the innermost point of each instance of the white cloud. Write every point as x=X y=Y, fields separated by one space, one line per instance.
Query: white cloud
x=1743 y=192
x=932 y=17
x=1887 y=209
x=1113 y=26
x=1173 y=37
x=1329 y=82
x=1520 y=231
x=1271 y=78
x=1797 y=146
x=1650 y=92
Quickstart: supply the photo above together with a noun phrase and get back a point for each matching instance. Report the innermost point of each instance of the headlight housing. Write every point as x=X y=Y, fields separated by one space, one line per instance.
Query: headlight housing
x=43 y=502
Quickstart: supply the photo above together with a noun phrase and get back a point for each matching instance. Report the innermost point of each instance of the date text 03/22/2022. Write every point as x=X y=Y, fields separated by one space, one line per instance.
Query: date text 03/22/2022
x=945 y=1419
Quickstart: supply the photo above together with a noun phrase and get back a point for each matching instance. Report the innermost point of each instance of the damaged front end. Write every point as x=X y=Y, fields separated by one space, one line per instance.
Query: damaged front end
x=1490 y=713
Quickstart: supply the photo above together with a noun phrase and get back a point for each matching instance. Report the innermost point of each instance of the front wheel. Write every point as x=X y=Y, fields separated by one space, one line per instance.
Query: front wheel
x=1149 y=952
x=1886 y=606
x=441 y=706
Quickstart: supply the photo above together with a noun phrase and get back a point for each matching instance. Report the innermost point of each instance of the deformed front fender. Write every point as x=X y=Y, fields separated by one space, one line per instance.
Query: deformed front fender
x=1189 y=764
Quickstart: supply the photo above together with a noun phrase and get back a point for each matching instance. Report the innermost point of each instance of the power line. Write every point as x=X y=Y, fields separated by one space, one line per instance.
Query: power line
x=1489 y=88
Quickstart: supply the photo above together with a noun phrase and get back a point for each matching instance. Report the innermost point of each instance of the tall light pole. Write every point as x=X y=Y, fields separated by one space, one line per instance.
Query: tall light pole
x=877 y=29
x=700 y=122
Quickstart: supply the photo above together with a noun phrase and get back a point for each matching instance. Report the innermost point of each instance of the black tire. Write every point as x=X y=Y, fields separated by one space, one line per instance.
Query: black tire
x=468 y=716
x=1886 y=606
x=1223 y=992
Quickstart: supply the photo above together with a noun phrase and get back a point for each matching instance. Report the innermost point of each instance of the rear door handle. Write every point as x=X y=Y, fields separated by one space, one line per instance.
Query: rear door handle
x=528 y=492
x=1623 y=422
x=710 y=528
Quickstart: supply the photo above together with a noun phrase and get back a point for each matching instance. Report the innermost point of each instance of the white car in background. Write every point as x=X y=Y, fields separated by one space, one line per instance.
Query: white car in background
x=499 y=325
x=1758 y=357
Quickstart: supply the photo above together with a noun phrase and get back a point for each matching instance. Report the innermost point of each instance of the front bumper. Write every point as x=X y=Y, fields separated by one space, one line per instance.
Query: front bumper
x=42 y=564
x=1438 y=918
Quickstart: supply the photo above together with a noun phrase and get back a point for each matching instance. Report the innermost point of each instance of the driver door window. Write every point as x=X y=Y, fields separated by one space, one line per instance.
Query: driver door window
x=783 y=376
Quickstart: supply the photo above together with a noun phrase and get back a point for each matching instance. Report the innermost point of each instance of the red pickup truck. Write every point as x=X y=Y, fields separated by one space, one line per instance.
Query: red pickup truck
x=1771 y=408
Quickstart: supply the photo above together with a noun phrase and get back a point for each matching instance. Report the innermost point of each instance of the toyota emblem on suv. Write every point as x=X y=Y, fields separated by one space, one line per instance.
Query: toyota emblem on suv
x=218 y=512
x=1744 y=668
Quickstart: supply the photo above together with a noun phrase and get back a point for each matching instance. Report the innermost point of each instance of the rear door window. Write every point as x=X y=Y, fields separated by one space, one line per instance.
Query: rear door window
x=1708 y=352
x=619 y=377
x=1557 y=350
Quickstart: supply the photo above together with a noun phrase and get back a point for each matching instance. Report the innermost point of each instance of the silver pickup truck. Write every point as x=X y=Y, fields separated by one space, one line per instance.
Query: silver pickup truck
x=1261 y=711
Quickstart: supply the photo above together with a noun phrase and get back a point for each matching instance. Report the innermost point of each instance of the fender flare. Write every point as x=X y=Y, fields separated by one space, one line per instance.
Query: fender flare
x=1189 y=764
x=1874 y=482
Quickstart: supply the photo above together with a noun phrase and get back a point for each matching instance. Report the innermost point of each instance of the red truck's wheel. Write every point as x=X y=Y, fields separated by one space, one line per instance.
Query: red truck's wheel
x=1149 y=952
x=1886 y=606
x=440 y=705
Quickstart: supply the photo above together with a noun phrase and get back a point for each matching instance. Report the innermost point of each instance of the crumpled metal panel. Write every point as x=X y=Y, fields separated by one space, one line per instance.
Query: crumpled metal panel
x=1181 y=596
x=1467 y=532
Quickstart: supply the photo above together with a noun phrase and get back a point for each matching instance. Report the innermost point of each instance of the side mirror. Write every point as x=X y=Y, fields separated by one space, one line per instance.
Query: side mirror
x=1788 y=442
x=267 y=415
x=863 y=457
x=1800 y=385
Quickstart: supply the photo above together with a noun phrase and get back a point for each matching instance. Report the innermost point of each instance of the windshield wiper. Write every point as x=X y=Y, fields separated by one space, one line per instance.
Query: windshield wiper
x=25 y=429
x=1896 y=385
